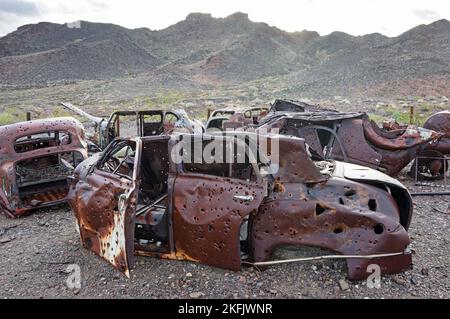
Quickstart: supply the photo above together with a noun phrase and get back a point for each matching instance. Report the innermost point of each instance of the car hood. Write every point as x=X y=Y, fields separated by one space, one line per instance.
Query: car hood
x=362 y=173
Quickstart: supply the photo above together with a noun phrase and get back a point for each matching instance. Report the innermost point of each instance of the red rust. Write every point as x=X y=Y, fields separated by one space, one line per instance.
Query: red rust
x=353 y=138
x=35 y=159
x=133 y=199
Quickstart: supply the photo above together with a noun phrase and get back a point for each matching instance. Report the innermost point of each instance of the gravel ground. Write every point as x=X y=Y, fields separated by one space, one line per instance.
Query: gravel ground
x=35 y=252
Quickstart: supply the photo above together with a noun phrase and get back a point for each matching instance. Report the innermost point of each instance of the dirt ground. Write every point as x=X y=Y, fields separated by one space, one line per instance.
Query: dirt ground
x=35 y=252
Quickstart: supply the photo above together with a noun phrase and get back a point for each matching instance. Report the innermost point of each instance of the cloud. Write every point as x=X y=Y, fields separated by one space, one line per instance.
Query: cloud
x=98 y=4
x=428 y=15
x=18 y=8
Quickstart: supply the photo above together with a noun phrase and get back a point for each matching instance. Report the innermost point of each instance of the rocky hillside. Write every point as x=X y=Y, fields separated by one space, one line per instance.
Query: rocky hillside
x=232 y=50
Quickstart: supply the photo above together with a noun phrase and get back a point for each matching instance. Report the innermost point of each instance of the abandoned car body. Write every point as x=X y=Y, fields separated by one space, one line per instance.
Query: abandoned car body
x=353 y=138
x=36 y=157
x=134 y=199
x=136 y=123
x=222 y=119
x=432 y=163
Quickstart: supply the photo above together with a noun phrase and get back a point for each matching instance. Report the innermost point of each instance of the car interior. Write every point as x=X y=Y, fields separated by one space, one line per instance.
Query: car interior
x=151 y=228
x=44 y=179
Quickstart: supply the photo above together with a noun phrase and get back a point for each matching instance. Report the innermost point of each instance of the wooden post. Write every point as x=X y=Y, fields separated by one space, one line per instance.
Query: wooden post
x=411 y=115
x=28 y=116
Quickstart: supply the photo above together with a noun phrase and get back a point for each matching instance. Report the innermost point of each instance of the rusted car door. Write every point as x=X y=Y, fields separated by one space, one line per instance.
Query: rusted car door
x=105 y=202
x=211 y=203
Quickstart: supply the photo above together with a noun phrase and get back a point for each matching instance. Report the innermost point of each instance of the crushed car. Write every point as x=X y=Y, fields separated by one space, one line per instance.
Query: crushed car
x=36 y=157
x=136 y=123
x=238 y=117
x=136 y=198
x=352 y=137
x=234 y=117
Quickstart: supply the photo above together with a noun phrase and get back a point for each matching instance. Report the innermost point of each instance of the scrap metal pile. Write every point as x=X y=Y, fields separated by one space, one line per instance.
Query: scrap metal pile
x=329 y=187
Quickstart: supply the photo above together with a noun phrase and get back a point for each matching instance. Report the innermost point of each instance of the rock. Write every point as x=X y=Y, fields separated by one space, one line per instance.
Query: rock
x=273 y=291
x=189 y=275
x=242 y=279
x=424 y=271
x=196 y=295
x=6 y=240
x=399 y=280
x=414 y=280
x=343 y=284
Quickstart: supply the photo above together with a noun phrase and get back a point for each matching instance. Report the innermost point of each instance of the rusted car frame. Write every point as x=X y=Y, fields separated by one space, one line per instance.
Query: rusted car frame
x=222 y=119
x=432 y=163
x=136 y=123
x=133 y=199
x=352 y=137
x=36 y=157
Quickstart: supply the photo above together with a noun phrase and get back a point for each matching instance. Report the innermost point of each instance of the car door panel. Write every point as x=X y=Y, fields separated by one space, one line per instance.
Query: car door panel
x=104 y=204
x=207 y=215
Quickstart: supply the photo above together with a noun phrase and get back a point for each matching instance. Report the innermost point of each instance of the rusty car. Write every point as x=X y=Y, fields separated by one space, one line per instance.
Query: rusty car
x=36 y=157
x=238 y=117
x=352 y=137
x=135 y=199
x=135 y=123
x=234 y=117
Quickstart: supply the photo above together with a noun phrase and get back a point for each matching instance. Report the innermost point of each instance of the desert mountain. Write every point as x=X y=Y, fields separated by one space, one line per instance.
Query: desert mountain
x=232 y=50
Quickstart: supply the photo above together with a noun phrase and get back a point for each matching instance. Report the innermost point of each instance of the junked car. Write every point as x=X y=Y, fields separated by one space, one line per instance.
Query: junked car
x=352 y=137
x=36 y=157
x=136 y=198
x=136 y=123
x=235 y=117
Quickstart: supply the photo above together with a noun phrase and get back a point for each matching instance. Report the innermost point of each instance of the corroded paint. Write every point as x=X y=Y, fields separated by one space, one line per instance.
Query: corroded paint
x=10 y=203
x=353 y=138
x=337 y=206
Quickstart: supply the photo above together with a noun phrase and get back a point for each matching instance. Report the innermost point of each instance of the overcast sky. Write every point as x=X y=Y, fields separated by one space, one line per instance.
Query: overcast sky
x=357 y=17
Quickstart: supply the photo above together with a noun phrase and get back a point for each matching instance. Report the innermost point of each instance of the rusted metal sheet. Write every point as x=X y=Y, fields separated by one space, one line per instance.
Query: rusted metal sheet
x=36 y=157
x=229 y=214
x=105 y=225
x=353 y=138
x=207 y=218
